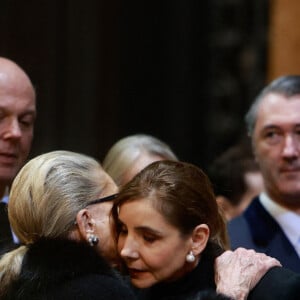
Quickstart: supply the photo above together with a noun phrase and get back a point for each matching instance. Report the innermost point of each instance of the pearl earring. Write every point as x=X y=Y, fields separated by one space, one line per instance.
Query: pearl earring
x=93 y=240
x=190 y=257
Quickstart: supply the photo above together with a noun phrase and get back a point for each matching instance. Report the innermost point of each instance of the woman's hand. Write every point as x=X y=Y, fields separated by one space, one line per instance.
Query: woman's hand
x=237 y=272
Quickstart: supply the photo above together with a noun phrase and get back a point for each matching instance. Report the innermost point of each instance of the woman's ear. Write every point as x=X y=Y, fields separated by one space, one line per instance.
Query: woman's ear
x=85 y=223
x=200 y=238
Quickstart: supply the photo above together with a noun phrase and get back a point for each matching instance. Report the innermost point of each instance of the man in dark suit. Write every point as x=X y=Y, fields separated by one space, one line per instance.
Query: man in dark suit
x=271 y=223
x=17 y=116
x=5 y=231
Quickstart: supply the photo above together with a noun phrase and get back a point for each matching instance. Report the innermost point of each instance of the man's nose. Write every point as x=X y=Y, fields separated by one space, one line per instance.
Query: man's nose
x=11 y=128
x=291 y=146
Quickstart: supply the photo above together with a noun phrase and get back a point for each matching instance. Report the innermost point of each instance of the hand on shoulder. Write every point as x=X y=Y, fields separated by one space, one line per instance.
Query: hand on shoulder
x=237 y=272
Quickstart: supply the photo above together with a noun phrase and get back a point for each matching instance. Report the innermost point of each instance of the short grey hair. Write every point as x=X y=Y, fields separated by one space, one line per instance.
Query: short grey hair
x=285 y=85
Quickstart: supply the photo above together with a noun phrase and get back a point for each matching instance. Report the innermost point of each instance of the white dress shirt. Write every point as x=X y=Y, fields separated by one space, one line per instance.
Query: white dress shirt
x=288 y=220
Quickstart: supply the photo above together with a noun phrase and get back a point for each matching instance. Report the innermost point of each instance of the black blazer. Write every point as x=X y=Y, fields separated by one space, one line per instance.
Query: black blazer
x=277 y=283
x=256 y=229
x=6 y=238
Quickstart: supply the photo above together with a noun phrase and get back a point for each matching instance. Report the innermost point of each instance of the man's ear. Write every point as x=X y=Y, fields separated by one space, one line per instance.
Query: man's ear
x=253 y=147
x=200 y=238
x=85 y=223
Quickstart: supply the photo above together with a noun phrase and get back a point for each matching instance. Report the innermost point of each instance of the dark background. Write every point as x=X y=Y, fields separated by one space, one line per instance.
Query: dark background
x=184 y=71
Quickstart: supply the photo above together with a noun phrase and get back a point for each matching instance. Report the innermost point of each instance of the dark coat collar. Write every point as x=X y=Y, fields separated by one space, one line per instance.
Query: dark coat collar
x=201 y=278
x=49 y=263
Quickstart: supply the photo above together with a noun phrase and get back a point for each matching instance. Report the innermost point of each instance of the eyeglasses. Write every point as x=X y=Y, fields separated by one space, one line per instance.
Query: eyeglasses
x=104 y=199
x=100 y=200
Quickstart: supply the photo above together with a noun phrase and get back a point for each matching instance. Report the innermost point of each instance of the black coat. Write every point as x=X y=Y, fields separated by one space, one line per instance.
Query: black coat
x=6 y=238
x=62 y=269
x=188 y=287
x=278 y=283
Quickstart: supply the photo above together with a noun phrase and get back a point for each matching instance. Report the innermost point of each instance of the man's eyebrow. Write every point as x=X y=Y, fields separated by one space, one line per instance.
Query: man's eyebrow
x=270 y=126
x=28 y=112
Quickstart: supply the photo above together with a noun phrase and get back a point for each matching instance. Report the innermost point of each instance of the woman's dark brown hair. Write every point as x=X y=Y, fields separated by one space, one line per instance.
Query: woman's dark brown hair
x=182 y=193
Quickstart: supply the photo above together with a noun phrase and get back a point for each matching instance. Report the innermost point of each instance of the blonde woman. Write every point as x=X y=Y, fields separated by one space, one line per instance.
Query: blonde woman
x=132 y=153
x=59 y=209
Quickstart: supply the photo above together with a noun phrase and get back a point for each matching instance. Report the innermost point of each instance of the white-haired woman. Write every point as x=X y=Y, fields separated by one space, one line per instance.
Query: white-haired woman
x=59 y=209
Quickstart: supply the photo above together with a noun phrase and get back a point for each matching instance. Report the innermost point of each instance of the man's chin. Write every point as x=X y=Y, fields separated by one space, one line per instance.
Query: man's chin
x=6 y=175
x=290 y=195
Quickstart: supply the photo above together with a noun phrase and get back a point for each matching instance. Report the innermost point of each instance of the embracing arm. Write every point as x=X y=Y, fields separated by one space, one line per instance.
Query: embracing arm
x=237 y=272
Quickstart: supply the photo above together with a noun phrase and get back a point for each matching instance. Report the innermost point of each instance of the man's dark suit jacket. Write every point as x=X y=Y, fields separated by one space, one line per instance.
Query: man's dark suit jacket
x=6 y=238
x=256 y=229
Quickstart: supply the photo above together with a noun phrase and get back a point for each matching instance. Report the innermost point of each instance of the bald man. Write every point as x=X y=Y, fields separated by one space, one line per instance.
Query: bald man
x=17 y=116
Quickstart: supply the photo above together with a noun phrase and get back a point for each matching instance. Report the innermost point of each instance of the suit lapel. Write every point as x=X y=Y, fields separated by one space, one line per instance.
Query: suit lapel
x=262 y=226
x=269 y=237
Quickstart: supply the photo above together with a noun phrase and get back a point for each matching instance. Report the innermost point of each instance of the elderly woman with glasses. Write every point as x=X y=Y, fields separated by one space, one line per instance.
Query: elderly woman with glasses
x=55 y=211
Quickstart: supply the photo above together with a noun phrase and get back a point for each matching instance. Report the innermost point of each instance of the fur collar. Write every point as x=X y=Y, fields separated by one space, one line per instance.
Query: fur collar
x=49 y=263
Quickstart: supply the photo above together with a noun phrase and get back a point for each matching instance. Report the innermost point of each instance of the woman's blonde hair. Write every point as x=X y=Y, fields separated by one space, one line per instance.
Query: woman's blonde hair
x=122 y=155
x=45 y=198
x=10 y=267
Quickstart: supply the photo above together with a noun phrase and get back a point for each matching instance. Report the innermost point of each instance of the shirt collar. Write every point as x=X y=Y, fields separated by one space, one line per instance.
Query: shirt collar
x=4 y=199
x=5 y=196
x=288 y=220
